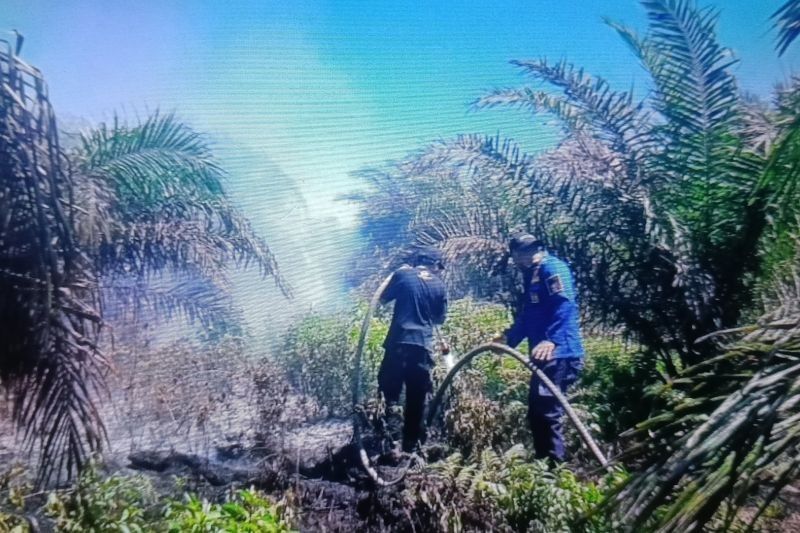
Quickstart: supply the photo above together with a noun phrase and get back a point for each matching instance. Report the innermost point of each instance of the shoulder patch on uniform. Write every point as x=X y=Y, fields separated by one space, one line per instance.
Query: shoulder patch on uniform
x=554 y=284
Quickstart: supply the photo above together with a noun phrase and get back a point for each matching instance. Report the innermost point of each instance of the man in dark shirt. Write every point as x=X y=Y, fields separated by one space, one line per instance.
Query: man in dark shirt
x=548 y=319
x=420 y=303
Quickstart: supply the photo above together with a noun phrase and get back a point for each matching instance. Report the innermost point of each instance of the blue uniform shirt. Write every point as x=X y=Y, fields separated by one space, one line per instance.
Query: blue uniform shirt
x=420 y=303
x=549 y=312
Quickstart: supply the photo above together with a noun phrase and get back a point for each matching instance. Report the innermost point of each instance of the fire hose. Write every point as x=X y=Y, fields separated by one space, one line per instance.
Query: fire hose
x=358 y=413
x=493 y=347
x=502 y=349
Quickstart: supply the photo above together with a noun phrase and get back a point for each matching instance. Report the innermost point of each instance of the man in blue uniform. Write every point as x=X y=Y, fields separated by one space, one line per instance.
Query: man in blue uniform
x=420 y=303
x=548 y=319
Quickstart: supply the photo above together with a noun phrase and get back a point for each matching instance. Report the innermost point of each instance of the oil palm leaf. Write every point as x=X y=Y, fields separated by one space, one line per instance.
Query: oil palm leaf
x=736 y=423
x=195 y=299
x=777 y=190
x=49 y=319
x=158 y=207
x=787 y=20
x=728 y=432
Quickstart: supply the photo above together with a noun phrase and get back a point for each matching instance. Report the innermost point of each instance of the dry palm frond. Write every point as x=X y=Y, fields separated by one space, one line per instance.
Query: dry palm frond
x=778 y=188
x=49 y=321
x=197 y=300
x=760 y=126
x=460 y=195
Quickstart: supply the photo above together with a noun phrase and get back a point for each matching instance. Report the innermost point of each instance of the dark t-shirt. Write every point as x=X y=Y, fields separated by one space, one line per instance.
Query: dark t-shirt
x=420 y=302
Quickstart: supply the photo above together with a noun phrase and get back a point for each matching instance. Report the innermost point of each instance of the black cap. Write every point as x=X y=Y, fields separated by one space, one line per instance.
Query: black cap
x=525 y=242
x=428 y=255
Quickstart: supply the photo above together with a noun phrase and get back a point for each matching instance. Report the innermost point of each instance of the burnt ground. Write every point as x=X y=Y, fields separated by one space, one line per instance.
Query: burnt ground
x=316 y=469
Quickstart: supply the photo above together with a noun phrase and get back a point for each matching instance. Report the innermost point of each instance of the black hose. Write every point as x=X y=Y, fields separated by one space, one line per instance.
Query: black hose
x=358 y=413
x=506 y=350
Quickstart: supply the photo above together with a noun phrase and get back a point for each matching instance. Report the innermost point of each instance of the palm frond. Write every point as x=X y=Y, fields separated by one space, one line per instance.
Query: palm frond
x=787 y=21
x=760 y=128
x=93 y=224
x=162 y=176
x=197 y=300
x=158 y=207
x=49 y=319
x=698 y=97
x=642 y=48
x=156 y=158
x=736 y=428
x=695 y=89
x=588 y=105
x=728 y=431
x=777 y=189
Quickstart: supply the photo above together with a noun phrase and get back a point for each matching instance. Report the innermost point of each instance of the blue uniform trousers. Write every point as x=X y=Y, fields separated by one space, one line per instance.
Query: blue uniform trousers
x=544 y=411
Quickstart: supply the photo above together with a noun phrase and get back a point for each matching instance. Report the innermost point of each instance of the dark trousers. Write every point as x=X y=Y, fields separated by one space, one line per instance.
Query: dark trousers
x=544 y=411
x=410 y=365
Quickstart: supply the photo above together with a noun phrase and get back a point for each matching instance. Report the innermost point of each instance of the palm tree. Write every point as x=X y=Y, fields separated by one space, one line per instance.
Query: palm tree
x=459 y=195
x=49 y=309
x=787 y=21
x=729 y=430
x=668 y=182
x=735 y=415
x=670 y=208
x=135 y=215
x=658 y=202
x=154 y=210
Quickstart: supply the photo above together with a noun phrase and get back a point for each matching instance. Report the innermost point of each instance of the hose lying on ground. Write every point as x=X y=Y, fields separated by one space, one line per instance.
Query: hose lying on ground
x=359 y=416
x=506 y=350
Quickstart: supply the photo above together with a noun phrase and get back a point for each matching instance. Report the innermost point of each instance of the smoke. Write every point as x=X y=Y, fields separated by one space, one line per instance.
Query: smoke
x=313 y=248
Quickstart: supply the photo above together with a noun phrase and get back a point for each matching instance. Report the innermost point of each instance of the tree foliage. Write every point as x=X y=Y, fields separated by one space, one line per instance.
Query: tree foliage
x=659 y=203
x=49 y=312
x=787 y=20
x=136 y=217
x=678 y=211
x=154 y=206
x=730 y=427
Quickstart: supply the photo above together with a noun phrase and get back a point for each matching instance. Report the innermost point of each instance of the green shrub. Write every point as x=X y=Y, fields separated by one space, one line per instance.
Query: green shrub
x=318 y=356
x=475 y=419
x=248 y=511
x=487 y=403
x=130 y=504
x=318 y=352
x=470 y=323
x=508 y=492
x=536 y=497
x=613 y=387
x=12 y=523
x=116 y=503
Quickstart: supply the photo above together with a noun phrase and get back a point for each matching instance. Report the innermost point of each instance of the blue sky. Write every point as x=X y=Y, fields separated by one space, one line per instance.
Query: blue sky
x=298 y=95
x=320 y=89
